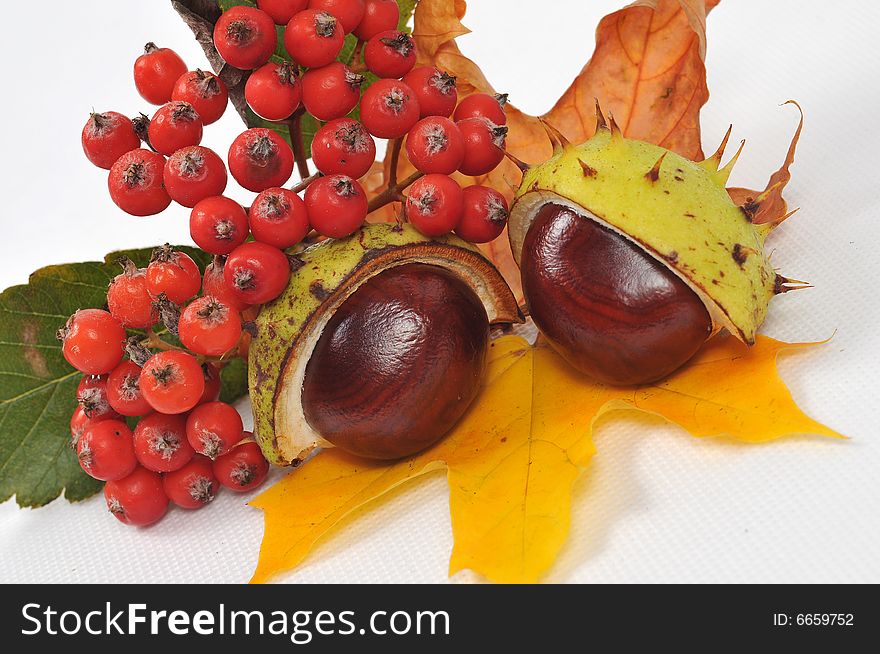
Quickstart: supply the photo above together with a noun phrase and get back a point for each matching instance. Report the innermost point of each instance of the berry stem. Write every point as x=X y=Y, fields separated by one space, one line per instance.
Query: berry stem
x=296 y=141
x=154 y=342
x=395 y=157
x=356 y=63
x=303 y=184
x=392 y=193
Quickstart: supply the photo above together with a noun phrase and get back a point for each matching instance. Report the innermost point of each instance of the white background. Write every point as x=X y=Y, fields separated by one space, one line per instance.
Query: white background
x=656 y=505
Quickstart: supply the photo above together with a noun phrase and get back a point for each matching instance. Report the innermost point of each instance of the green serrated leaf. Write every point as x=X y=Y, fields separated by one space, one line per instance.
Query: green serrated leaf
x=233 y=381
x=38 y=387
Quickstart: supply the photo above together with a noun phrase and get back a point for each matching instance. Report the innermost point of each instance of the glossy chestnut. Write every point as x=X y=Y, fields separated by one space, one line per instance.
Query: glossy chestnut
x=398 y=363
x=609 y=308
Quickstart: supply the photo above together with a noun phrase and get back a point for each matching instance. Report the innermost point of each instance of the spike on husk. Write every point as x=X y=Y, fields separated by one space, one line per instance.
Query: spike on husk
x=601 y=123
x=713 y=163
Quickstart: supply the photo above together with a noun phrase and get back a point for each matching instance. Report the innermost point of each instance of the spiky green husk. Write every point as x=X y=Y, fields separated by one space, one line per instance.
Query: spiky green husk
x=674 y=208
x=288 y=328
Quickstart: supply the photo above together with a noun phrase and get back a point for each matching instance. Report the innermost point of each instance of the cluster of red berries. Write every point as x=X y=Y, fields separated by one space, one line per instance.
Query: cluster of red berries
x=415 y=103
x=186 y=443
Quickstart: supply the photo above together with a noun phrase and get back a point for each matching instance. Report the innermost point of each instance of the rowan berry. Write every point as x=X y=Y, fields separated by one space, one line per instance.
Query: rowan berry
x=174 y=125
x=484 y=215
x=107 y=136
x=172 y=381
x=194 y=173
x=92 y=341
x=331 y=92
x=434 y=204
x=256 y=272
x=192 y=486
x=218 y=224
x=390 y=54
x=214 y=428
x=259 y=159
x=105 y=450
x=389 y=109
x=435 y=145
x=278 y=217
x=243 y=468
x=434 y=89
x=336 y=204
x=136 y=185
x=155 y=73
x=207 y=93
x=138 y=499
x=245 y=37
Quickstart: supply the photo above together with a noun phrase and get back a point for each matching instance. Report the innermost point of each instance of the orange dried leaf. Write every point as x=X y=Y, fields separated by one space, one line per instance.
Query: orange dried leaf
x=768 y=206
x=512 y=460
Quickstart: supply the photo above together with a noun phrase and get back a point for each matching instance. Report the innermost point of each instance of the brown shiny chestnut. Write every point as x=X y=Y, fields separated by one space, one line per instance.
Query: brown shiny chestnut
x=607 y=306
x=398 y=363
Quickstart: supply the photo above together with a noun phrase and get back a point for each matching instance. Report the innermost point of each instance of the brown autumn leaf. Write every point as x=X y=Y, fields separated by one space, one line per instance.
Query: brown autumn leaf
x=512 y=460
x=647 y=70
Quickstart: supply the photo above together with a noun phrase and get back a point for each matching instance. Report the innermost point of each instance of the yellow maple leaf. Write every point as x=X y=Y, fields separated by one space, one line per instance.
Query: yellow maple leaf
x=512 y=460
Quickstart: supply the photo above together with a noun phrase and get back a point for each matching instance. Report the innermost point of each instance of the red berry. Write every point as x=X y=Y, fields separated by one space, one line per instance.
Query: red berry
x=129 y=299
x=434 y=89
x=214 y=428
x=155 y=73
x=313 y=38
x=124 y=392
x=484 y=215
x=256 y=272
x=160 y=442
x=193 y=485
x=173 y=273
x=336 y=204
x=105 y=450
x=135 y=183
x=278 y=217
x=343 y=146
x=206 y=92
x=92 y=341
x=245 y=37
x=138 y=499
x=214 y=283
x=91 y=395
x=259 y=159
x=218 y=225
x=194 y=173
x=435 y=145
x=107 y=136
x=331 y=92
x=243 y=468
x=483 y=105
x=389 y=109
x=390 y=54
x=172 y=382
x=273 y=91
x=349 y=12
x=212 y=383
x=483 y=145
x=209 y=327
x=282 y=11
x=379 y=16
x=174 y=125
x=79 y=422
x=434 y=204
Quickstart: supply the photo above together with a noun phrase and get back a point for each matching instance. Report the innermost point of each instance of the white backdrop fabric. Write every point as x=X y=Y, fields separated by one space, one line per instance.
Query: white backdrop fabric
x=656 y=505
